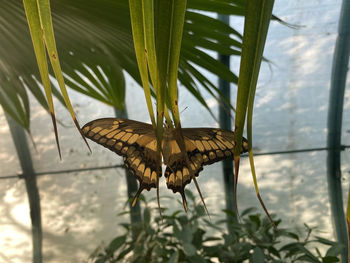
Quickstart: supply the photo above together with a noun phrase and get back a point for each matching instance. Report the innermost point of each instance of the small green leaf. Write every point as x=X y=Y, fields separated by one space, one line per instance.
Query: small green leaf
x=100 y=260
x=198 y=238
x=255 y=219
x=146 y=216
x=330 y=259
x=292 y=248
x=211 y=239
x=335 y=250
x=209 y=223
x=200 y=211
x=211 y=250
x=189 y=195
x=248 y=211
x=183 y=220
x=306 y=254
x=293 y=235
x=196 y=259
x=186 y=234
x=230 y=213
x=174 y=257
x=258 y=255
x=116 y=243
x=305 y=258
x=125 y=252
x=176 y=229
x=189 y=249
x=325 y=241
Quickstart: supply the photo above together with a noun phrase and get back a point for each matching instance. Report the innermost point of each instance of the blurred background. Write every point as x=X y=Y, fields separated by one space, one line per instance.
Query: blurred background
x=80 y=209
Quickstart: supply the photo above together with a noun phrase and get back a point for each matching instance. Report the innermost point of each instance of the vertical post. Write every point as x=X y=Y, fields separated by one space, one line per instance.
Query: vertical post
x=335 y=115
x=132 y=187
x=24 y=156
x=225 y=123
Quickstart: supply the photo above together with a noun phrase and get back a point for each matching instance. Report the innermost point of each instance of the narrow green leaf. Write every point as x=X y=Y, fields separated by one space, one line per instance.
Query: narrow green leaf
x=149 y=34
x=14 y=112
x=258 y=15
x=255 y=31
x=178 y=16
x=44 y=14
x=209 y=63
x=225 y=7
x=136 y=16
x=195 y=20
x=208 y=85
x=36 y=31
x=125 y=252
x=325 y=241
x=192 y=88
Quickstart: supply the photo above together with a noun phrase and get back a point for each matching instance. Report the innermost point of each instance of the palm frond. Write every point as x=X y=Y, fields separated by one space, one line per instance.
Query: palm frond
x=95 y=45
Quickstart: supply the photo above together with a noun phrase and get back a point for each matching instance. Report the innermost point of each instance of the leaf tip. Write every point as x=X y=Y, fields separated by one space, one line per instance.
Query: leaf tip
x=81 y=133
x=56 y=134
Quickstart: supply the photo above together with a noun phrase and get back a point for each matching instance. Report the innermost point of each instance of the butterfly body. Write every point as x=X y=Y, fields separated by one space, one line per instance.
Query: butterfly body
x=137 y=143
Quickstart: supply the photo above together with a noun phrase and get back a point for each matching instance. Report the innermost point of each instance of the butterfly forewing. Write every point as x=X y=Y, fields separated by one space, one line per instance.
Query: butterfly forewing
x=204 y=146
x=213 y=144
x=133 y=140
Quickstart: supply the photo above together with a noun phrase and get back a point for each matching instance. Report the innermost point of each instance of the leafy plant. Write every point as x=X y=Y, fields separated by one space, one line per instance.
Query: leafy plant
x=193 y=237
x=95 y=47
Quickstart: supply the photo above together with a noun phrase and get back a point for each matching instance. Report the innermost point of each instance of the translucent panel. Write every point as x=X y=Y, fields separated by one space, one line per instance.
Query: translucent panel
x=79 y=209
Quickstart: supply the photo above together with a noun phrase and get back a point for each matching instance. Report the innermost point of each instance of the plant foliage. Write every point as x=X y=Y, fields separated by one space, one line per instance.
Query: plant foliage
x=95 y=47
x=192 y=237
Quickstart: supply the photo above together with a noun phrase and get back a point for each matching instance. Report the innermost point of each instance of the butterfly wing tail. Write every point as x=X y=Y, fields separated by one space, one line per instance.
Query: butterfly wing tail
x=137 y=195
x=184 y=201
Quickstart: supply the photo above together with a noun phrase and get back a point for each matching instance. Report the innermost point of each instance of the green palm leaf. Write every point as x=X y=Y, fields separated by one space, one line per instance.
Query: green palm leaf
x=95 y=45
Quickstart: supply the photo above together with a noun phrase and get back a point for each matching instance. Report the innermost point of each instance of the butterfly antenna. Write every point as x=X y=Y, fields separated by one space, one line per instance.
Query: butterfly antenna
x=137 y=195
x=184 y=110
x=200 y=194
x=184 y=201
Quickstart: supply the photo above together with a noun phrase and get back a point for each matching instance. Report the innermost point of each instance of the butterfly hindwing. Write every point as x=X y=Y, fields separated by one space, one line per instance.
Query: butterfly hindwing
x=177 y=172
x=133 y=140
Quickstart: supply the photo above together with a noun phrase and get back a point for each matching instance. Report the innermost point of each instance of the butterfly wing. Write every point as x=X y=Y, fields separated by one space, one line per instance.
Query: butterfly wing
x=213 y=144
x=133 y=140
x=204 y=146
x=136 y=142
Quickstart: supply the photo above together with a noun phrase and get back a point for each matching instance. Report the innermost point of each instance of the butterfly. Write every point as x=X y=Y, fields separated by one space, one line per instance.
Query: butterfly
x=136 y=142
